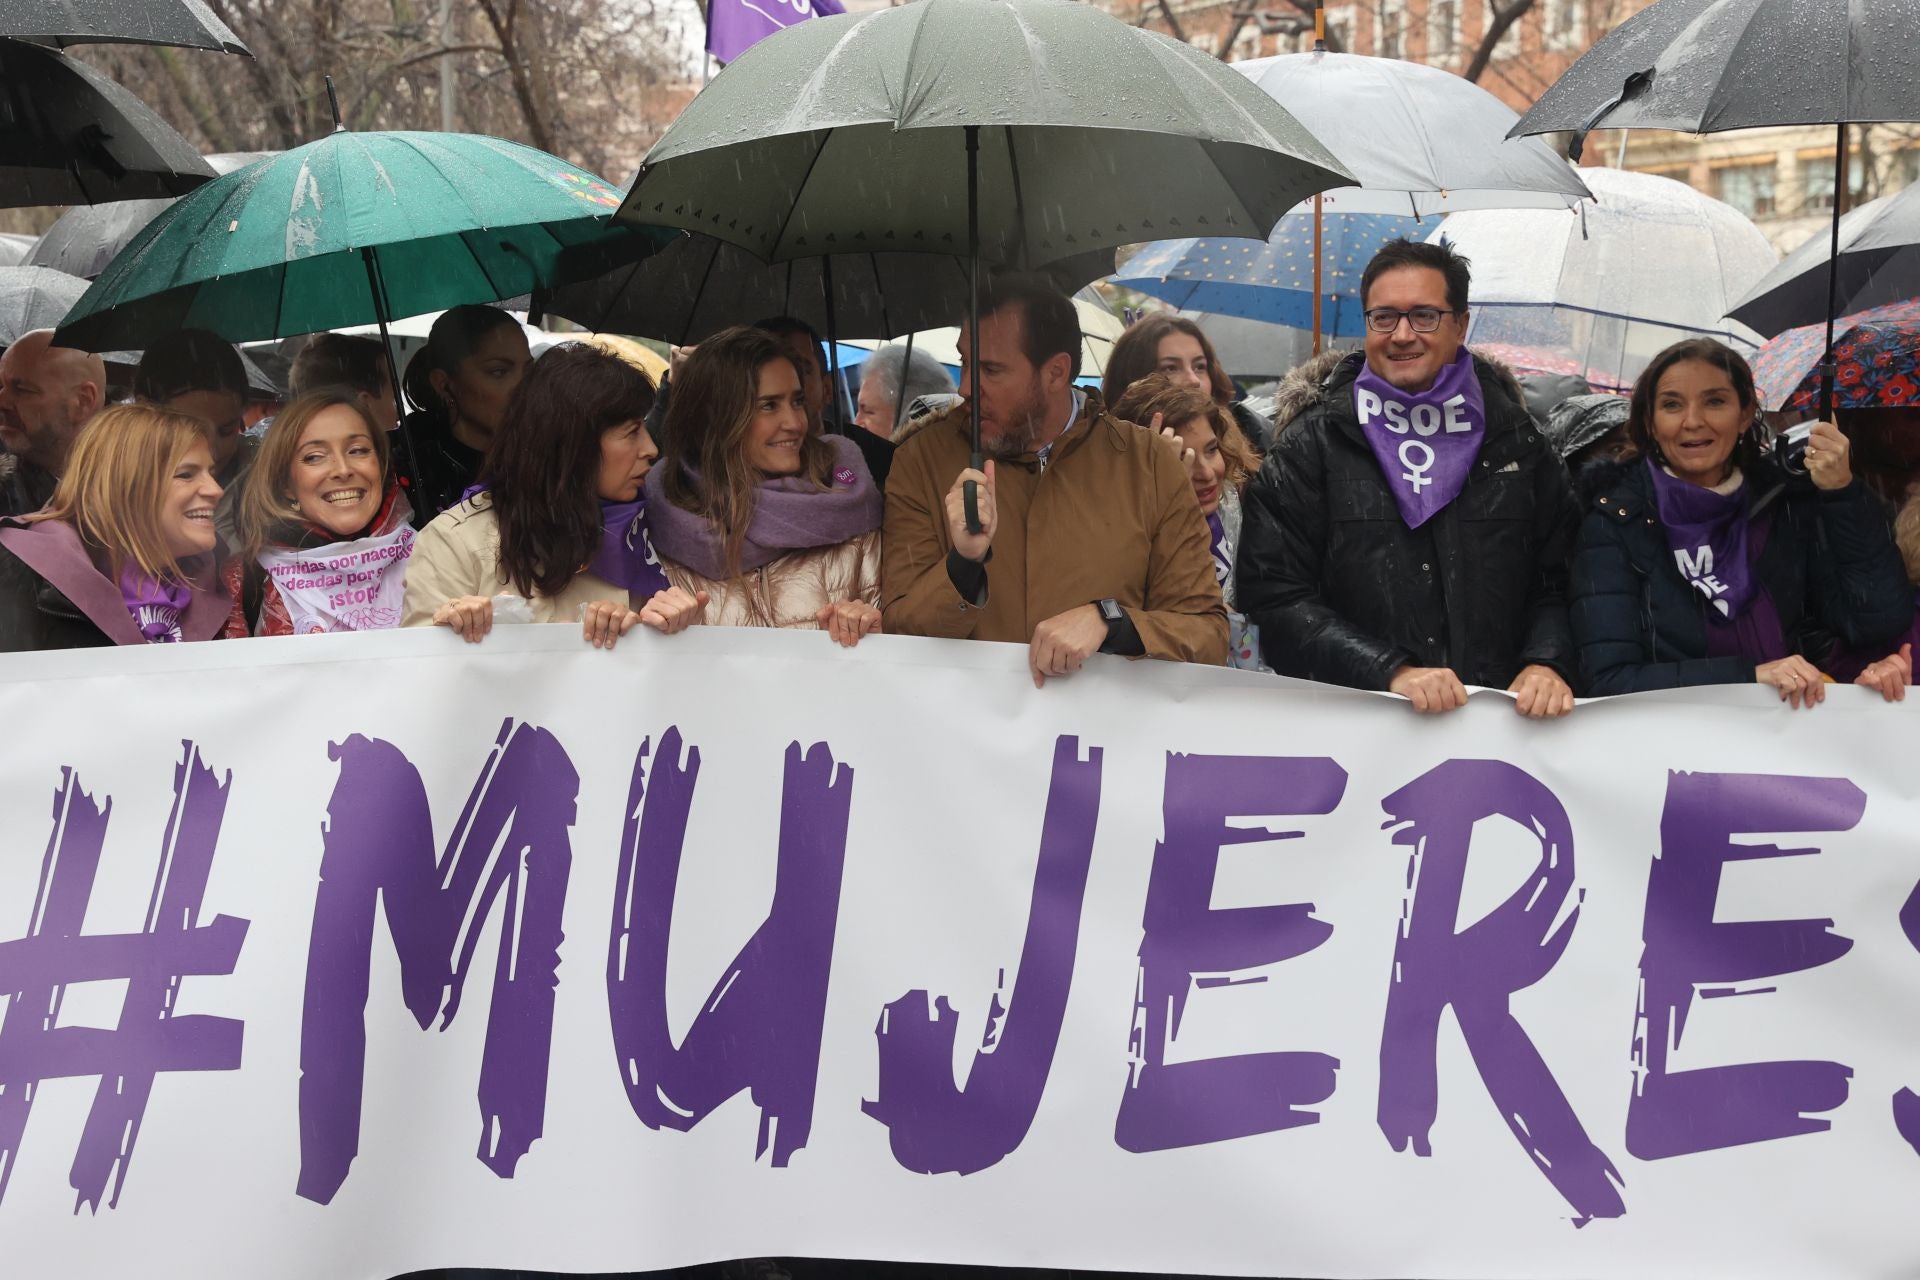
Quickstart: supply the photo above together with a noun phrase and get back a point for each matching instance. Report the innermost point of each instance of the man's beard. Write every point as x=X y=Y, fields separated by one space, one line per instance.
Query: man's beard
x=1023 y=435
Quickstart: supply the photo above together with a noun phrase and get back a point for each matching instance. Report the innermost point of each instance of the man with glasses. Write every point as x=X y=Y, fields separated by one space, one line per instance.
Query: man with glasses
x=1410 y=528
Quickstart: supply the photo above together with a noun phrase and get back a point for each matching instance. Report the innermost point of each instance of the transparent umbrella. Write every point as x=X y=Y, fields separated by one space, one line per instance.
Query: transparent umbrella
x=1610 y=285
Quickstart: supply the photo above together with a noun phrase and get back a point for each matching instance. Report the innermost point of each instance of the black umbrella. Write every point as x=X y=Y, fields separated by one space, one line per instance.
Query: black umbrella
x=89 y=236
x=188 y=24
x=34 y=298
x=1707 y=66
x=69 y=135
x=1879 y=263
x=698 y=285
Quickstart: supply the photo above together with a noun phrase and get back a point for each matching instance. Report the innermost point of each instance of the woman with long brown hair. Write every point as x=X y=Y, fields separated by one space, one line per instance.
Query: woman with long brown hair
x=124 y=552
x=557 y=529
x=756 y=508
x=1180 y=349
x=324 y=531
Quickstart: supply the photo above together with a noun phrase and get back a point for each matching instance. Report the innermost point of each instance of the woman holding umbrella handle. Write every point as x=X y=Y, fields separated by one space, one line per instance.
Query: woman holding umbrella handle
x=1700 y=562
x=557 y=531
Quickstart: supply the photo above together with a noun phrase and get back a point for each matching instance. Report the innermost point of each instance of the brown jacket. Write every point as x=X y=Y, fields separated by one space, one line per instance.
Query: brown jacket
x=1112 y=514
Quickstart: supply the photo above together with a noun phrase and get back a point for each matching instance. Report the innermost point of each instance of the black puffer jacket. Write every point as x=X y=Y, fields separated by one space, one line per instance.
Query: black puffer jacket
x=35 y=616
x=1829 y=564
x=1344 y=592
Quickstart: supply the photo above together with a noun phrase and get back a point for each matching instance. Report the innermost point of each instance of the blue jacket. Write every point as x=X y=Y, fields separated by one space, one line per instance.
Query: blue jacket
x=1829 y=564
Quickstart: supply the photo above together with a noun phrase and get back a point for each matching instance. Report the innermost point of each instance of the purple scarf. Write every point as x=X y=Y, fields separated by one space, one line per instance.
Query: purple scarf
x=1715 y=546
x=156 y=606
x=789 y=514
x=1222 y=552
x=1426 y=442
x=626 y=556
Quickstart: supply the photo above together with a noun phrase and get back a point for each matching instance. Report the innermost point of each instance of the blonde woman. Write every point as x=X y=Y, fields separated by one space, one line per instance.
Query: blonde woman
x=753 y=506
x=124 y=551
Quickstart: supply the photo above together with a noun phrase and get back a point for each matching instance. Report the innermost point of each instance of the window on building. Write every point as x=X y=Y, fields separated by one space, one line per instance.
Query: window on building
x=1443 y=28
x=1816 y=179
x=1904 y=170
x=1389 y=26
x=1339 y=28
x=1563 y=23
x=1747 y=187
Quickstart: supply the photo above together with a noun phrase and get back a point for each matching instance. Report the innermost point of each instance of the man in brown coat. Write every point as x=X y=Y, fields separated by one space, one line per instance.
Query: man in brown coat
x=1093 y=541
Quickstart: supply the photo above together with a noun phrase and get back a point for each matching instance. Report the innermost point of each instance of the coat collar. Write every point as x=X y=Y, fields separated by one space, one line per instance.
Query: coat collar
x=52 y=549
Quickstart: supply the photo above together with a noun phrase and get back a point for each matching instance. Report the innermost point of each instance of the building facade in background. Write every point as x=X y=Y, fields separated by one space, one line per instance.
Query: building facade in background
x=1781 y=178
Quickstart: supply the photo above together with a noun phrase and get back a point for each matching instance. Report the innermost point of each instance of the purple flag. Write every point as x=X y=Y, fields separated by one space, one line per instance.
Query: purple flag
x=734 y=26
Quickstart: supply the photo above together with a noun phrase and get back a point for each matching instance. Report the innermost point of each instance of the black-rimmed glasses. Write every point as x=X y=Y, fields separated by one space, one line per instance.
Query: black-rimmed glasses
x=1423 y=319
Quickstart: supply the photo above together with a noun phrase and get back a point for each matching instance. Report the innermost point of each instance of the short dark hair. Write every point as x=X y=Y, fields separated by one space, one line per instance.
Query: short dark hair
x=189 y=360
x=1441 y=257
x=456 y=335
x=1051 y=325
x=1746 y=450
x=794 y=327
x=542 y=468
x=339 y=360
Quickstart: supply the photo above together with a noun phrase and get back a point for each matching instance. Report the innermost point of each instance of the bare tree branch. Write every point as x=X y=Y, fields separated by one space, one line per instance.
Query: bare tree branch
x=1501 y=18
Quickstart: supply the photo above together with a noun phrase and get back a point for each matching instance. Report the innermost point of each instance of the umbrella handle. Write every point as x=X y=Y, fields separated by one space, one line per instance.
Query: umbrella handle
x=970 y=498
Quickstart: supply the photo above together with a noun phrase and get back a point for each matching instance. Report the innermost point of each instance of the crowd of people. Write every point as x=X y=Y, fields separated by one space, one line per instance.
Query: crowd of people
x=1406 y=523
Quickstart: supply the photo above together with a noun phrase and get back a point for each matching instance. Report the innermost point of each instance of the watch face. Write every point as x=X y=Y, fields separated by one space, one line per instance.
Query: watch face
x=1110 y=611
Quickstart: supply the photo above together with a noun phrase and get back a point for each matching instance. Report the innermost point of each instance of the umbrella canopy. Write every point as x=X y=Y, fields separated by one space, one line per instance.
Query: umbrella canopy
x=188 y=24
x=34 y=298
x=1652 y=261
x=1419 y=139
x=1878 y=357
x=1271 y=282
x=698 y=285
x=1702 y=66
x=69 y=135
x=1879 y=263
x=850 y=133
x=87 y=237
x=355 y=228
x=16 y=248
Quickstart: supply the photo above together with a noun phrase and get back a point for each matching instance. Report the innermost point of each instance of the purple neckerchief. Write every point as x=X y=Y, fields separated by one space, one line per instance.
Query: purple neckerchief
x=1222 y=553
x=1707 y=533
x=1426 y=442
x=789 y=514
x=1754 y=634
x=156 y=604
x=626 y=557
x=54 y=551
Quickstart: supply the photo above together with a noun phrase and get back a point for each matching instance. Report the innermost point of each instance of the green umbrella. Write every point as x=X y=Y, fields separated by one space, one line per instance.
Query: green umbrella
x=1018 y=131
x=357 y=228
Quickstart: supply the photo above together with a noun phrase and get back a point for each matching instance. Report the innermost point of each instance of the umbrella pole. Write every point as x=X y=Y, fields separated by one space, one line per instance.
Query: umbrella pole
x=970 y=493
x=900 y=397
x=833 y=337
x=379 y=290
x=1833 y=270
x=1318 y=225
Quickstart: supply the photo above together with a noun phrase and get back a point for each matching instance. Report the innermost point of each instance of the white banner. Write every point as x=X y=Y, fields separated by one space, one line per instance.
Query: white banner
x=341 y=956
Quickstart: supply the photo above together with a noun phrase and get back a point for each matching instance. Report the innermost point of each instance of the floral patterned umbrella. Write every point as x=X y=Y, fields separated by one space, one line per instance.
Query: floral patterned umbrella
x=1877 y=354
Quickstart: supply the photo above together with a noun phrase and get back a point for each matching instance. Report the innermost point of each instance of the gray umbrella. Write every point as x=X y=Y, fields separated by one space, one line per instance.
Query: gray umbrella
x=34 y=298
x=87 y=237
x=1706 y=66
x=69 y=135
x=1879 y=263
x=15 y=248
x=188 y=24
x=699 y=285
x=1015 y=131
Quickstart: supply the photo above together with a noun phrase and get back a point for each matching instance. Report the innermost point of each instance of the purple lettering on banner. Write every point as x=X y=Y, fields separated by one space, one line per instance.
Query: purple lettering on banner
x=1676 y=1113
x=760 y=1028
x=512 y=844
x=936 y=1127
x=36 y=970
x=1211 y=1100
x=1477 y=969
x=1906 y=1104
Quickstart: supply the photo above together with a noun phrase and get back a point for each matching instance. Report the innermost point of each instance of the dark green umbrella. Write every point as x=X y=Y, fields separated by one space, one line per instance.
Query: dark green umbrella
x=1015 y=131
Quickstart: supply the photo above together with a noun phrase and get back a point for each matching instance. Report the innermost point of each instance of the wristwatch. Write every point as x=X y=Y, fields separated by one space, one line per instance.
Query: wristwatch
x=1110 y=612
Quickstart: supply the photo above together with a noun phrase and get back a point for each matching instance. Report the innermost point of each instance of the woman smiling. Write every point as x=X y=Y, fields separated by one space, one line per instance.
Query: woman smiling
x=1701 y=562
x=777 y=523
x=324 y=531
x=123 y=553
